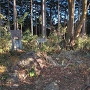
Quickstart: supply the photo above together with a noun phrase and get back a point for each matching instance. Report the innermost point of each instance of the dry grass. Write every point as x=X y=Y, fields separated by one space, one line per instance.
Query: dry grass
x=2 y=69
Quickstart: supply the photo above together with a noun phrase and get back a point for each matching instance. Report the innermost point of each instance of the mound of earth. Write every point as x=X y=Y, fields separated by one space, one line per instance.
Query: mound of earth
x=69 y=70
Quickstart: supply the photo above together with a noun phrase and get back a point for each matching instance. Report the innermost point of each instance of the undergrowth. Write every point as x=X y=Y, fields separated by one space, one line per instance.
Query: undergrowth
x=29 y=41
x=83 y=43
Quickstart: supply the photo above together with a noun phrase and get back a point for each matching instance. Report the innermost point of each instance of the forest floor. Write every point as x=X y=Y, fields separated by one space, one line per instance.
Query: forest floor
x=70 y=70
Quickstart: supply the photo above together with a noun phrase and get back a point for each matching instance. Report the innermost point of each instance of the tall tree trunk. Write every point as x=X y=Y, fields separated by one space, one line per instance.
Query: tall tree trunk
x=16 y=41
x=0 y=19
x=8 y=17
x=84 y=29
x=70 y=29
x=79 y=10
x=44 y=18
x=82 y=19
x=36 y=18
x=80 y=23
x=0 y=13
x=31 y=18
x=15 y=15
x=51 y=18
x=58 y=16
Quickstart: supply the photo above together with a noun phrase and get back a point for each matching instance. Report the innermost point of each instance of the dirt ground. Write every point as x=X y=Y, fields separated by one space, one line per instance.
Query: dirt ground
x=69 y=69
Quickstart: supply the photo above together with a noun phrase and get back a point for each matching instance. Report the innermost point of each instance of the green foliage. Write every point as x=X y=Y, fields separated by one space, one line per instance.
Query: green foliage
x=44 y=48
x=59 y=28
x=4 y=41
x=63 y=30
x=83 y=42
x=22 y=18
x=29 y=41
x=54 y=37
x=53 y=42
x=2 y=16
x=32 y=72
x=4 y=76
x=4 y=37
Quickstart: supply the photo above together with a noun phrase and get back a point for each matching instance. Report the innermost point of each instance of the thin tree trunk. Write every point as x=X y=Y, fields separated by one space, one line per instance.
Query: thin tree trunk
x=0 y=13
x=0 y=19
x=58 y=16
x=44 y=18
x=8 y=17
x=36 y=17
x=51 y=18
x=16 y=41
x=79 y=10
x=15 y=15
x=31 y=18
x=21 y=27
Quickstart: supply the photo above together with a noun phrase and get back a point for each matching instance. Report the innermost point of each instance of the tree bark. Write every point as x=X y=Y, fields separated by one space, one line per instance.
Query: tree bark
x=0 y=17
x=15 y=15
x=0 y=20
x=71 y=35
x=82 y=19
x=31 y=18
x=58 y=16
x=84 y=28
x=44 y=18
x=16 y=41
x=79 y=10
x=70 y=29
x=8 y=16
